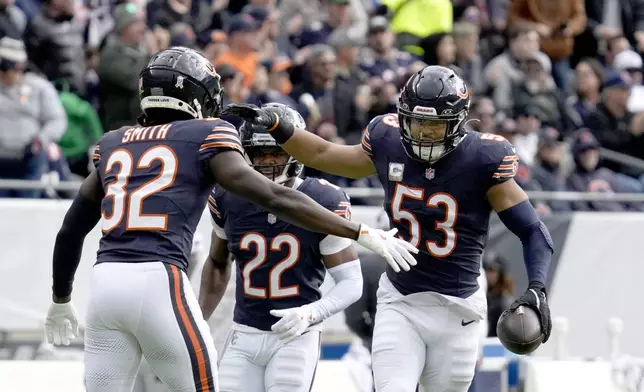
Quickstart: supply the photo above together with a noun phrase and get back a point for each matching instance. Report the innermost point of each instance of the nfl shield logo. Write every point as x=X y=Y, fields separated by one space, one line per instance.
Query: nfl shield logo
x=272 y=219
x=429 y=173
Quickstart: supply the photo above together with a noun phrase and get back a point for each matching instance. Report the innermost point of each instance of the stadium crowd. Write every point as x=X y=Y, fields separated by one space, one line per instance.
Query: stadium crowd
x=559 y=79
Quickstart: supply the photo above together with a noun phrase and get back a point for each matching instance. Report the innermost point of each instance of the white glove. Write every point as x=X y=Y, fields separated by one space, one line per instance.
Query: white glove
x=61 y=324
x=293 y=322
x=394 y=250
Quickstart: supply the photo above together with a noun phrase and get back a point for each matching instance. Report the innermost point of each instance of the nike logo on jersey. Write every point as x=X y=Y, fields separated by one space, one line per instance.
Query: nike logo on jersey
x=466 y=323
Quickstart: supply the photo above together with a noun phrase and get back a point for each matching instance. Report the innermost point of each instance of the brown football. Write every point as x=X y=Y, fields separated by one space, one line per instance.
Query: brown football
x=520 y=331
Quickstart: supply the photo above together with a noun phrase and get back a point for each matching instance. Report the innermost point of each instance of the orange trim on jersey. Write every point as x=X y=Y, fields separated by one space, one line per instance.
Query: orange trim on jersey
x=192 y=334
x=219 y=135
x=499 y=175
x=214 y=210
x=220 y=144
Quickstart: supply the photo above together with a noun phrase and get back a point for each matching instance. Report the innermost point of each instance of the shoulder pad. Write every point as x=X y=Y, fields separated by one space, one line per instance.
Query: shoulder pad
x=499 y=157
x=377 y=129
x=330 y=196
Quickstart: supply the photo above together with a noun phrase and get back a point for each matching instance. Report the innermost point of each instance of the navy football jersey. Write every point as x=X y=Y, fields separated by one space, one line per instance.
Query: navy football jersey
x=441 y=208
x=156 y=185
x=279 y=265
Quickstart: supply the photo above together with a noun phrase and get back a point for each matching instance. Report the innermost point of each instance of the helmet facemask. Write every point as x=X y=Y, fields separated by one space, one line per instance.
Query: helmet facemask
x=427 y=136
x=284 y=168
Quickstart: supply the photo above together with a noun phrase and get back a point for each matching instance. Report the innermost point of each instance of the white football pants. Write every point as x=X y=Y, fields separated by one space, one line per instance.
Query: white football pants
x=258 y=361
x=146 y=309
x=425 y=338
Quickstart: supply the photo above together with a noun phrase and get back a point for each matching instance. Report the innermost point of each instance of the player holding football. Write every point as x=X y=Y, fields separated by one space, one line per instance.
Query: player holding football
x=151 y=185
x=441 y=183
x=275 y=341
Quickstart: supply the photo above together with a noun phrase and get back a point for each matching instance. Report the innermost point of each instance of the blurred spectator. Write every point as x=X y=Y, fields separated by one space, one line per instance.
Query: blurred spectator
x=438 y=49
x=557 y=22
x=84 y=130
x=338 y=15
x=232 y=82
x=55 y=43
x=589 y=77
x=12 y=20
x=121 y=61
x=413 y=20
x=466 y=38
x=181 y=34
x=589 y=177
x=216 y=45
x=615 y=46
x=503 y=71
x=630 y=62
x=611 y=121
x=527 y=136
x=607 y=20
x=482 y=116
x=272 y=42
x=500 y=289
x=539 y=90
x=31 y=117
x=380 y=60
x=270 y=84
x=547 y=169
x=243 y=33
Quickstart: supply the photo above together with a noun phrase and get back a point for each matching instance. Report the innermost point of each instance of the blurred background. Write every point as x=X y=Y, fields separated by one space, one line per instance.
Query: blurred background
x=562 y=80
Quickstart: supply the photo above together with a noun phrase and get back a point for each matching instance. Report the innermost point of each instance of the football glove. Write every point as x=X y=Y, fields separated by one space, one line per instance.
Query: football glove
x=61 y=324
x=395 y=251
x=264 y=117
x=293 y=322
x=535 y=297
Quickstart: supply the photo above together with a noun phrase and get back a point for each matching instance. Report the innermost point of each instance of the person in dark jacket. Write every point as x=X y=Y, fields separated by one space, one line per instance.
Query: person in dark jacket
x=546 y=170
x=588 y=176
x=610 y=122
x=56 y=46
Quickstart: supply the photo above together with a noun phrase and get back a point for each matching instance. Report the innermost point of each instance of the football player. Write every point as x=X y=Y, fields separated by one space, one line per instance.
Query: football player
x=275 y=339
x=441 y=183
x=150 y=186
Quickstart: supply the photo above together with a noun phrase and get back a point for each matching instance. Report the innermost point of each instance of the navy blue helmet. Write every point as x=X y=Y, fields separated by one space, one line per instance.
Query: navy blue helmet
x=257 y=140
x=183 y=80
x=432 y=108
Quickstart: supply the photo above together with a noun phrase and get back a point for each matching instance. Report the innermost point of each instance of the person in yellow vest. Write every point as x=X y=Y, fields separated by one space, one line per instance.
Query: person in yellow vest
x=416 y=19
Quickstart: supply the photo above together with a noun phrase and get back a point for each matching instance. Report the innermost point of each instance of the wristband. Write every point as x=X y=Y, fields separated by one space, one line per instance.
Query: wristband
x=281 y=130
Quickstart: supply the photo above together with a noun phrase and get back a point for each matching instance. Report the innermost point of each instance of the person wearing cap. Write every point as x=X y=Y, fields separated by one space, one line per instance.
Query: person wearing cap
x=121 y=60
x=243 y=45
x=338 y=15
x=539 y=89
x=631 y=62
x=31 y=117
x=380 y=59
x=610 y=122
x=588 y=176
x=547 y=168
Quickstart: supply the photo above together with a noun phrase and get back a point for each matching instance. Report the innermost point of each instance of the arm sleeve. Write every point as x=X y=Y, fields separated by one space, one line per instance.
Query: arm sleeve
x=347 y=290
x=216 y=215
x=220 y=136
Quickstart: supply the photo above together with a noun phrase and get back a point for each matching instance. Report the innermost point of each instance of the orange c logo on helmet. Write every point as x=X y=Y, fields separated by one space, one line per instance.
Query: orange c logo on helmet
x=463 y=91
